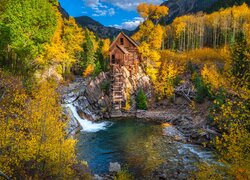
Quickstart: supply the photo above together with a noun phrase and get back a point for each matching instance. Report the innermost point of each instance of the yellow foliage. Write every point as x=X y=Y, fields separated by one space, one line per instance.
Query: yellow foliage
x=150 y=34
x=217 y=29
x=169 y=70
x=144 y=32
x=105 y=48
x=233 y=120
x=164 y=85
x=151 y=60
x=89 y=70
x=33 y=133
x=166 y=125
x=150 y=11
x=205 y=55
x=212 y=77
x=208 y=171
x=128 y=100
x=143 y=10
x=155 y=37
x=72 y=38
x=123 y=175
x=64 y=46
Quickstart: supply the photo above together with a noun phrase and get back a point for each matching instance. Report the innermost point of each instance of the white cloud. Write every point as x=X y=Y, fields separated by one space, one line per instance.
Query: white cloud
x=129 y=25
x=99 y=9
x=91 y=3
x=111 y=11
x=130 y=4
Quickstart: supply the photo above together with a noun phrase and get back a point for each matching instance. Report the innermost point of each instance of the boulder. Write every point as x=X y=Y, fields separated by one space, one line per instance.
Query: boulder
x=171 y=131
x=97 y=177
x=114 y=167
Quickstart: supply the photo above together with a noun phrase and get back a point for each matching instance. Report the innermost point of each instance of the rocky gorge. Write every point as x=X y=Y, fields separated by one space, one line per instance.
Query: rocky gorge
x=91 y=99
x=87 y=103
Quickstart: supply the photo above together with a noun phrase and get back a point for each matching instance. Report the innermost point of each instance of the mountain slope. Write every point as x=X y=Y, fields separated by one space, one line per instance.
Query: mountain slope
x=64 y=13
x=98 y=28
x=182 y=7
x=225 y=4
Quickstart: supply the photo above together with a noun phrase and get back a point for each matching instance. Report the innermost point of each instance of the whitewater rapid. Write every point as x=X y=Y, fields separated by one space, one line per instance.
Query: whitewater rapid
x=88 y=126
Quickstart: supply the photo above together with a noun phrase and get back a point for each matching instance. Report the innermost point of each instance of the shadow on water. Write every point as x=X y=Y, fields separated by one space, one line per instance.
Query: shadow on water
x=139 y=145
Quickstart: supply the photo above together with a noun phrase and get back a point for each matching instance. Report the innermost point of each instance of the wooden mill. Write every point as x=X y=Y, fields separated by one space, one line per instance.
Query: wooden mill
x=123 y=53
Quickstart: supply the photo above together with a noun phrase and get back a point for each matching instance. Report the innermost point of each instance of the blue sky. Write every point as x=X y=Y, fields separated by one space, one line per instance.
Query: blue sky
x=116 y=13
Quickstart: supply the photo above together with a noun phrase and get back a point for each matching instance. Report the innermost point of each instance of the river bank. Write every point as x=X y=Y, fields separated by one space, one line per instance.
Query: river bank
x=87 y=107
x=92 y=102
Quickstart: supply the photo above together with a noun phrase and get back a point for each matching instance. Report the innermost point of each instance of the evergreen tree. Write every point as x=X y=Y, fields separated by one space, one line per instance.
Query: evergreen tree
x=141 y=100
x=241 y=59
x=88 y=56
x=100 y=58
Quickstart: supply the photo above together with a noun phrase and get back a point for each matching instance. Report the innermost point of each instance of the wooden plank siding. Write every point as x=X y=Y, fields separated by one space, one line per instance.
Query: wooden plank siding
x=123 y=52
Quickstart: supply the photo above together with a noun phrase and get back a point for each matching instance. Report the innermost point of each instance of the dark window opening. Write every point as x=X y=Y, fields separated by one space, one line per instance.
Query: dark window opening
x=113 y=59
x=121 y=41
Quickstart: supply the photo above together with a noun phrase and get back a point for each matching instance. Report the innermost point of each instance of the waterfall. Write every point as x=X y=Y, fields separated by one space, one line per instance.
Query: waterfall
x=88 y=126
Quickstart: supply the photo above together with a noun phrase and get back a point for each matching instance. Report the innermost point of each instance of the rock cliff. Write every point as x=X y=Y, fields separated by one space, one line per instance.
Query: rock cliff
x=91 y=96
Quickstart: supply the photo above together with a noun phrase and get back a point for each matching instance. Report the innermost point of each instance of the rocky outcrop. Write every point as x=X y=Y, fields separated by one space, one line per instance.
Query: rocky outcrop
x=91 y=96
x=134 y=82
x=171 y=131
x=73 y=125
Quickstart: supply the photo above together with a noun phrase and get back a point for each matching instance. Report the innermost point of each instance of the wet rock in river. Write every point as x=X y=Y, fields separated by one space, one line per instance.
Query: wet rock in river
x=171 y=131
x=114 y=167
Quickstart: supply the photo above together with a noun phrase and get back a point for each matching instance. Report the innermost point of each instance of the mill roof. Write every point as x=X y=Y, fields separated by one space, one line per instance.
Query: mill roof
x=127 y=37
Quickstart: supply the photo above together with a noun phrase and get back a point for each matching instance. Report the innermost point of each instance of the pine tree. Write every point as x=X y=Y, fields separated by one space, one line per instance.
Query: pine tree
x=100 y=58
x=141 y=100
x=241 y=59
x=89 y=53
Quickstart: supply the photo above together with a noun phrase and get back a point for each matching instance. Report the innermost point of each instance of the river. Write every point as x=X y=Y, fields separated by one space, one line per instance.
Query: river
x=139 y=145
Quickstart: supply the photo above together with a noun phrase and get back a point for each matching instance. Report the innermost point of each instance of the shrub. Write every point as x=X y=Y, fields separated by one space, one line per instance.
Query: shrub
x=211 y=76
x=88 y=71
x=141 y=100
x=105 y=85
x=123 y=175
x=202 y=89
x=98 y=68
x=128 y=102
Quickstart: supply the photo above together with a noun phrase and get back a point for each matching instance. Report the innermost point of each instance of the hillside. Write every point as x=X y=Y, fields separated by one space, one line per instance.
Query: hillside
x=183 y=7
x=64 y=13
x=99 y=29
x=225 y=4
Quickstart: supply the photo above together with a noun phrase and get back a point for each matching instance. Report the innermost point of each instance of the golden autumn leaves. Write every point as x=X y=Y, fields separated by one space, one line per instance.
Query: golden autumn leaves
x=150 y=11
x=209 y=42
x=151 y=36
x=32 y=138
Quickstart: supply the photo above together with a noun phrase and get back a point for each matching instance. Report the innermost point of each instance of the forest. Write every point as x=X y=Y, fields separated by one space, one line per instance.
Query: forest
x=40 y=50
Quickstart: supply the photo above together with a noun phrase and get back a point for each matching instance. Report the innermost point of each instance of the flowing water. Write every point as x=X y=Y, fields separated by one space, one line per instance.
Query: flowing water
x=138 y=145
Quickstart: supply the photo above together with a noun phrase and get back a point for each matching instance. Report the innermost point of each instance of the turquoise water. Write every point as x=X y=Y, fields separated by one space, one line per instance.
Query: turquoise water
x=138 y=145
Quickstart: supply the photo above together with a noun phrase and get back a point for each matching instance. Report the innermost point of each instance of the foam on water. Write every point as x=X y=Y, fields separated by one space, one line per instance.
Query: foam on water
x=87 y=125
x=201 y=153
